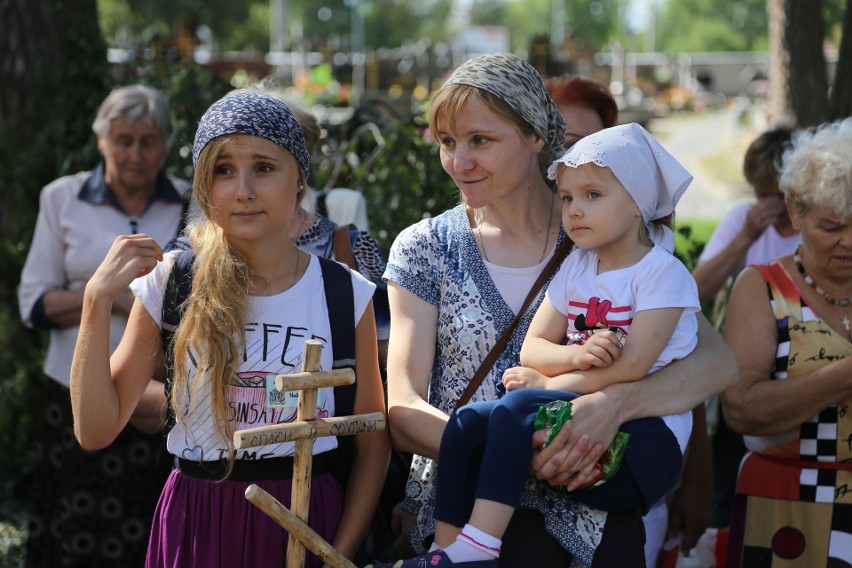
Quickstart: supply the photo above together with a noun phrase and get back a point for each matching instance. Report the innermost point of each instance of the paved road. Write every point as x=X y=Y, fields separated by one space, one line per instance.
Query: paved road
x=692 y=137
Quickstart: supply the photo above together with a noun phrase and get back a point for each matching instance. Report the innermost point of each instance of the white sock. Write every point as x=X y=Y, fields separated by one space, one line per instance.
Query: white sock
x=434 y=547
x=473 y=545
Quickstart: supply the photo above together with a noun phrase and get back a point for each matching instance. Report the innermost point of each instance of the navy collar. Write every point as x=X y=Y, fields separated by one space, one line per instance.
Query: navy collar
x=97 y=192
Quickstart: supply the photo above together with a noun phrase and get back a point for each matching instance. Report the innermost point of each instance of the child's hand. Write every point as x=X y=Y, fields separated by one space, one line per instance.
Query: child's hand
x=129 y=257
x=516 y=378
x=599 y=350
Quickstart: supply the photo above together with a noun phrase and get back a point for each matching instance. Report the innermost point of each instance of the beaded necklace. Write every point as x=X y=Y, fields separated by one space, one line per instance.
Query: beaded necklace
x=842 y=302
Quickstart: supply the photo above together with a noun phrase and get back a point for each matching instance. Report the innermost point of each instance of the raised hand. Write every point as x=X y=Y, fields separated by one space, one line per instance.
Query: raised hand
x=767 y=211
x=129 y=257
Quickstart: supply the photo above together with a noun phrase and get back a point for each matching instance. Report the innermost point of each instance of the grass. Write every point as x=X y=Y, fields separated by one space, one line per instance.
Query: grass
x=700 y=231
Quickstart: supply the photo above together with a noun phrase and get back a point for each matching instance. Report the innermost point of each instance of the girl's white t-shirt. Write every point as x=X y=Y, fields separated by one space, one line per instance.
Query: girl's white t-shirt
x=613 y=298
x=276 y=329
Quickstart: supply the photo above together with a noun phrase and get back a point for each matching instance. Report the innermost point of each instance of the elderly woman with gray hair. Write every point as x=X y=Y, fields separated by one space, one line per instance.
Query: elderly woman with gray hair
x=95 y=509
x=788 y=325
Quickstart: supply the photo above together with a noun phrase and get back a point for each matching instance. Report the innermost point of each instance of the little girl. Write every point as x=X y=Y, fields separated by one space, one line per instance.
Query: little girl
x=619 y=188
x=254 y=299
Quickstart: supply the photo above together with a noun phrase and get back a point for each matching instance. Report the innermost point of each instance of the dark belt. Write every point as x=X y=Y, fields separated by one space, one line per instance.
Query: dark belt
x=248 y=470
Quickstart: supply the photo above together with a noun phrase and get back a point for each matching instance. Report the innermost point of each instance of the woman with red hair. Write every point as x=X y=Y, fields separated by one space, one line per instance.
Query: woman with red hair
x=586 y=105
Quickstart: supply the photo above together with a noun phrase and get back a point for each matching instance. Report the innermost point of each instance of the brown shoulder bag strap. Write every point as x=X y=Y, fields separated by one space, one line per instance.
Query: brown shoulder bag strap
x=343 y=247
x=501 y=343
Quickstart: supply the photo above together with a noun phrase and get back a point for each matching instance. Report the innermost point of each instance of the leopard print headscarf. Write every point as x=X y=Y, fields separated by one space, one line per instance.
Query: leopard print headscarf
x=518 y=84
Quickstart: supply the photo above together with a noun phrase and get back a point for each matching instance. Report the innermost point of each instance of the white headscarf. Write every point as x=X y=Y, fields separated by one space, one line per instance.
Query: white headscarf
x=653 y=177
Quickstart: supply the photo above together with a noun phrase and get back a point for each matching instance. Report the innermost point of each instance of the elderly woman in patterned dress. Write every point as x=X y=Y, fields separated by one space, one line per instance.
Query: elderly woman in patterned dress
x=456 y=281
x=788 y=325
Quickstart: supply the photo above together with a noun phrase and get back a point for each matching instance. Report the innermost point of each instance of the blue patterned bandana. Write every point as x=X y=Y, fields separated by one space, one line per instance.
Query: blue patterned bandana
x=256 y=114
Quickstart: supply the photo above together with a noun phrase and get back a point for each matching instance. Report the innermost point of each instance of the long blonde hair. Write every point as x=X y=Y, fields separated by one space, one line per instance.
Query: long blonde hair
x=215 y=312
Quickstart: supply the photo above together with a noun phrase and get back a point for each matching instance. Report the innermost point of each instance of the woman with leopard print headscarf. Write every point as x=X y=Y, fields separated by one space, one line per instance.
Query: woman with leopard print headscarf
x=457 y=281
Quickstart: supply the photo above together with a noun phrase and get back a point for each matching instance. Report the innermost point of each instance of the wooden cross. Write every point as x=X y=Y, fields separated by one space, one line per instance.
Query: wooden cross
x=303 y=432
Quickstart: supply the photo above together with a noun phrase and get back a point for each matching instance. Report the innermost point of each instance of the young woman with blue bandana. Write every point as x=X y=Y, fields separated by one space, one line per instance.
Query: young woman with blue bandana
x=255 y=297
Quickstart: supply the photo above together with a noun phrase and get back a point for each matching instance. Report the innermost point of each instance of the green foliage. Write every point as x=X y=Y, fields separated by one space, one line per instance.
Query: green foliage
x=681 y=25
x=397 y=169
x=245 y=25
x=487 y=13
x=391 y=23
x=21 y=356
x=115 y=16
x=593 y=23
x=712 y=25
x=590 y=24
x=690 y=238
x=251 y=32
x=145 y=18
x=13 y=544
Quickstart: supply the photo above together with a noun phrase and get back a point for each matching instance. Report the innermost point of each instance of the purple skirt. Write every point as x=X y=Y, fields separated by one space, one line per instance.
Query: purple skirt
x=210 y=524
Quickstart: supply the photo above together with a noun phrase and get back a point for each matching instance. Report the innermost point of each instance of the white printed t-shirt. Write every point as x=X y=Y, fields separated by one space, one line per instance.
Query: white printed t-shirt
x=276 y=330
x=659 y=280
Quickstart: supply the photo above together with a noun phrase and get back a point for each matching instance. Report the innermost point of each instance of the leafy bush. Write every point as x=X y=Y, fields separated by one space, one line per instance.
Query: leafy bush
x=396 y=168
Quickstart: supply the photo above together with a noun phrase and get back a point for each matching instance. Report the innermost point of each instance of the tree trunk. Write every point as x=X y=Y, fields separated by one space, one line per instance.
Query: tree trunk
x=797 y=70
x=779 y=108
x=26 y=33
x=53 y=73
x=840 y=103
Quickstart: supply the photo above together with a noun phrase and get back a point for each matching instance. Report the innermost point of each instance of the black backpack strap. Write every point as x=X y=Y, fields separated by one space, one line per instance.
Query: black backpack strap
x=177 y=291
x=321 y=208
x=339 y=299
x=337 y=282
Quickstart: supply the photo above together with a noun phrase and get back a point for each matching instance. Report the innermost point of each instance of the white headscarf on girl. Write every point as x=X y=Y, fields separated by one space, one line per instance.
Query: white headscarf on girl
x=653 y=177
